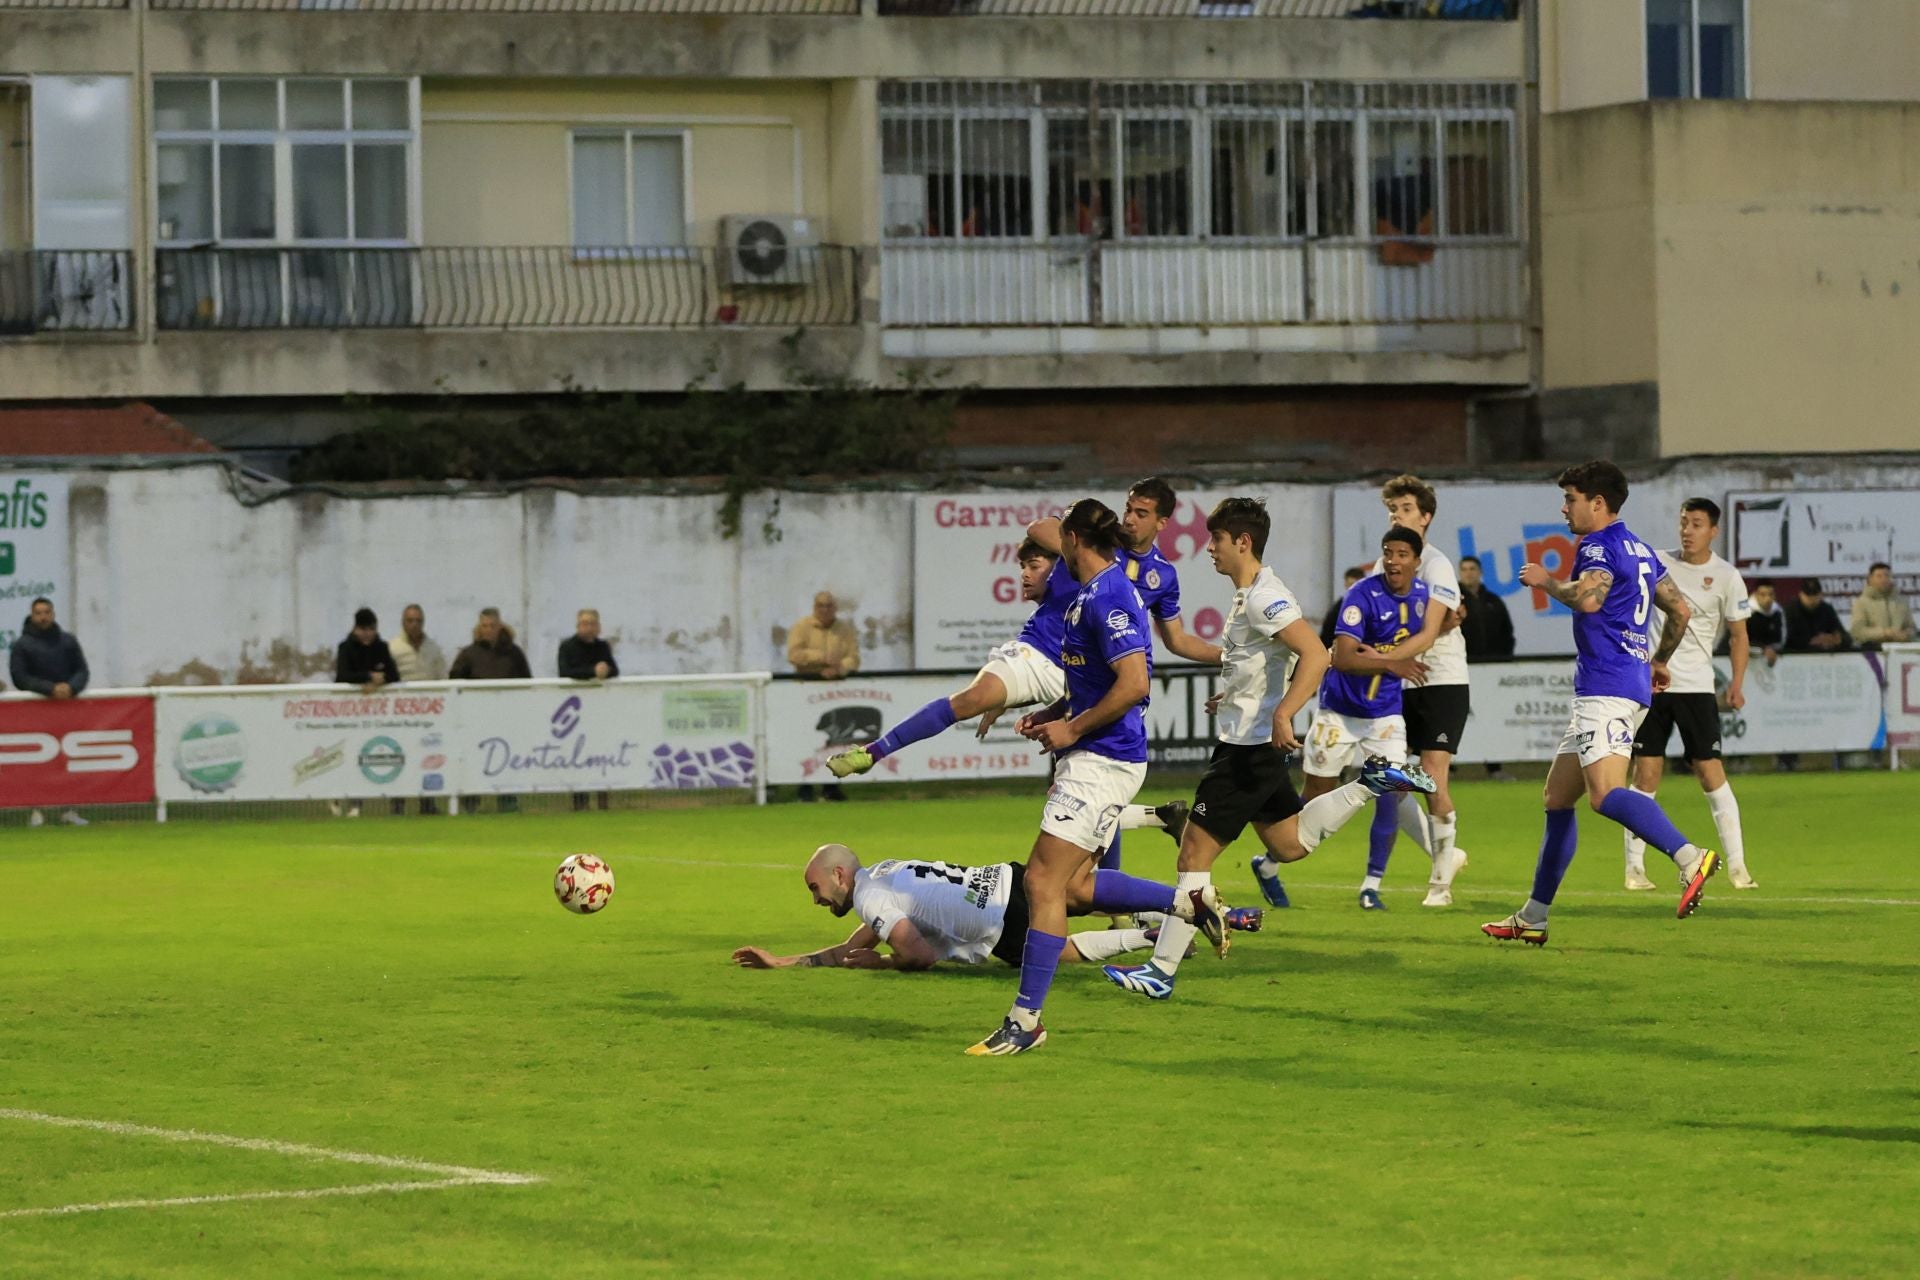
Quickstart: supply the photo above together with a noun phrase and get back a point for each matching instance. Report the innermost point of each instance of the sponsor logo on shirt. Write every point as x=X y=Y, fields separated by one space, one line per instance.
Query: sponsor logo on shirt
x=1273 y=610
x=1593 y=551
x=1119 y=622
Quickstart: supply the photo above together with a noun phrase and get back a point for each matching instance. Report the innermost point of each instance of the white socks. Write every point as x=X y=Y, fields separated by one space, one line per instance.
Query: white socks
x=1636 y=847
x=1326 y=814
x=1097 y=945
x=1370 y=882
x=1413 y=824
x=1726 y=820
x=1176 y=933
x=1135 y=816
x=1534 y=912
x=1443 y=832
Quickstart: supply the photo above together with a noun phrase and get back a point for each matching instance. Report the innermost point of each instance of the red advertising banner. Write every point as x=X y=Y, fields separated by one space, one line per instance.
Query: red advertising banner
x=75 y=751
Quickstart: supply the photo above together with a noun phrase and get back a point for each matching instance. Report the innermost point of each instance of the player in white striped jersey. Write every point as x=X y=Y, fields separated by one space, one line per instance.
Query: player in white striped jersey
x=1436 y=709
x=927 y=912
x=1718 y=596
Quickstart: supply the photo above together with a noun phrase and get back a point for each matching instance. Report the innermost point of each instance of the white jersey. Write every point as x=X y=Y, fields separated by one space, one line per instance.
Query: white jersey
x=1718 y=595
x=1254 y=661
x=1447 y=659
x=960 y=911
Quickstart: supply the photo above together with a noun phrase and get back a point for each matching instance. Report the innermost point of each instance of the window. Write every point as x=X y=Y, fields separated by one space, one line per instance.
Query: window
x=946 y=176
x=1696 y=49
x=295 y=161
x=1401 y=155
x=1157 y=159
x=629 y=190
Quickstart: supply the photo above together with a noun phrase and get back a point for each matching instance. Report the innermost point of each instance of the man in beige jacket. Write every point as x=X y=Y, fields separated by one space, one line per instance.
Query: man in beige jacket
x=1880 y=616
x=823 y=646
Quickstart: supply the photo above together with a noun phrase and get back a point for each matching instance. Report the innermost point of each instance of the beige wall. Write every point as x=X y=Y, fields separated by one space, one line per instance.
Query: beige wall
x=1757 y=260
x=1789 y=281
x=1850 y=50
x=745 y=140
x=1597 y=271
x=16 y=207
x=1593 y=53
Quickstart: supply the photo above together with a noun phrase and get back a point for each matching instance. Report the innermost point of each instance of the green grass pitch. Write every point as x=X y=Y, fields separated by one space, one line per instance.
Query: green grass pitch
x=1347 y=1094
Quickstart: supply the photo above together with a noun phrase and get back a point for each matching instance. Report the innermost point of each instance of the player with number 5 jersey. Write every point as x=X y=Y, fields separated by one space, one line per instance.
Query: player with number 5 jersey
x=1616 y=580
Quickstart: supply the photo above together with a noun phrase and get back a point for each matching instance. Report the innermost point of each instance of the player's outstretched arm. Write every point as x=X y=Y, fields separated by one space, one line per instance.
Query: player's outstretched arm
x=834 y=957
x=1047 y=534
x=1184 y=644
x=1431 y=630
x=911 y=952
x=1584 y=594
x=1357 y=659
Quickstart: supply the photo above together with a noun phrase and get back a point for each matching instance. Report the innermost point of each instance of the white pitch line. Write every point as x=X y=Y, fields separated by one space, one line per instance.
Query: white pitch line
x=367 y=1189
x=1755 y=899
x=453 y=1175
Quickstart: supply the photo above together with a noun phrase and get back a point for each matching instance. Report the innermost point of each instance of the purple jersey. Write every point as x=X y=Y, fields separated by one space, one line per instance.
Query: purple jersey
x=1105 y=623
x=1045 y=625
x=1612 y=641
x=1153 y=577
x=1380 y=620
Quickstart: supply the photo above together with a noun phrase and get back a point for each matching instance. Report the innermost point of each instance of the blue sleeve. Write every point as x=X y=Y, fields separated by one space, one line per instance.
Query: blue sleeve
x=1122 y=630
x=1353 y=614
x=1167 y=607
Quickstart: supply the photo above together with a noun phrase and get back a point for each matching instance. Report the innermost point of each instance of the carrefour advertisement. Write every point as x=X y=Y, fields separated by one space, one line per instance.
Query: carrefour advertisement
x=33 y=551
x=966 y=597
x=293 y=742
x=566 y=736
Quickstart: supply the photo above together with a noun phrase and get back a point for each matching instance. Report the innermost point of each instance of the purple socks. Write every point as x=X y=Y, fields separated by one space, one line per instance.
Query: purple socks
x=1380 y=836
x=1115 y=892
x=935 y=717
x=1556 y=853
x=1037 y=962
x=1110 y=861
x=1642 y=815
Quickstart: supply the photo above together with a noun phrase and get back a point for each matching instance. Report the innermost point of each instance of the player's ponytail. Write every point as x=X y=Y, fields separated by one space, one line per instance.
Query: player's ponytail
x=1094 y=524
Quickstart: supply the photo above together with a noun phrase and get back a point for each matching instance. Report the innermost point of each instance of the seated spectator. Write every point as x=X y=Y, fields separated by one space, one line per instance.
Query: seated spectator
x=493 y=655
x=1767 y=626
x=49 y=662
x=363 y=657
x=585 y=656
x=1812 y=625
x=417 y=656
x=1880 y=616
x=1328 y=623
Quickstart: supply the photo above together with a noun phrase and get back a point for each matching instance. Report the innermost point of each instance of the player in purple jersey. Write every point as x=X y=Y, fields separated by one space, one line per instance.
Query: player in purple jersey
x=1098 y=735
x=1616 y=581
x=1381 y=633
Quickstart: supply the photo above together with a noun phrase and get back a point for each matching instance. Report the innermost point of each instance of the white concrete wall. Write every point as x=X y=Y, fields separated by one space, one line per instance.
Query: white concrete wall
x=177 y=581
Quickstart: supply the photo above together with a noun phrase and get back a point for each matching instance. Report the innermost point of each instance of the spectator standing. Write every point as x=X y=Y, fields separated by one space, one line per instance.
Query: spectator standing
x=1486 y=624
x=585 y=656
x=1812 y=625
x=49 y=662
x=823 y=646
x=1767 y=624
x=492 y=656
x=363 y=658
x=1332 y=619
x=417 y=656
x=1880 y=616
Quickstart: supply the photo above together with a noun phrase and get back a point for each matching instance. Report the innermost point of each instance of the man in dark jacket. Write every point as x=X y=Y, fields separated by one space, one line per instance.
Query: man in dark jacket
x=47 y=660
x=1812 y=624
x=1486 y=624
x=363 y=658
x=493 y=655
x=585 y=656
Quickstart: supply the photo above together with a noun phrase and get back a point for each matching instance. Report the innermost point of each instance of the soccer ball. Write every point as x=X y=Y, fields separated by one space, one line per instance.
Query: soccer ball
x=583 y=883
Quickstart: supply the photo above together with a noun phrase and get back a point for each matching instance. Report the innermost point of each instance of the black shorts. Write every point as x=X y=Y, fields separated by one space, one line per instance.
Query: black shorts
x=1013 y=933
x=1696 y=714
x=1242 y=785
x=1436 y=717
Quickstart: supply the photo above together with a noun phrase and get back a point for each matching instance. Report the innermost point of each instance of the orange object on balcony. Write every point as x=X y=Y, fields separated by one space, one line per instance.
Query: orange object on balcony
x=1400 y=251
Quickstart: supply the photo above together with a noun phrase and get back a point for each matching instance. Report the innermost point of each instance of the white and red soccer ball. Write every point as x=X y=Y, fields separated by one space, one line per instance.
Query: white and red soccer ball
x=584 y=884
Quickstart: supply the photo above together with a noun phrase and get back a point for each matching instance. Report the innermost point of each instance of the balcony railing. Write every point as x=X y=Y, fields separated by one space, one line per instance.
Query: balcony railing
x=502 y=288
x=803 y=7
x=63 y=4
x=50 y=290
x=1458 y=9
x=1203 y=284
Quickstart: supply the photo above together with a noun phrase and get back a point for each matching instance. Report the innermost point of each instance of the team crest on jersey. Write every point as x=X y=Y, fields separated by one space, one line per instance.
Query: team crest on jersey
x=1352 y=615
x=1419 y=608
x=1153 y=579
x=1073 y=614
x=1706 y=581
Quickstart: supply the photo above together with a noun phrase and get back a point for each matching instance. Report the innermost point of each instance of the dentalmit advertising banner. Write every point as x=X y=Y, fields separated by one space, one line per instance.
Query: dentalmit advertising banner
x=75 y=751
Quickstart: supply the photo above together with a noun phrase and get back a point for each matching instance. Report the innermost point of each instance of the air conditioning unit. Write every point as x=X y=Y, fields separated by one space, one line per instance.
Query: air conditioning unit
x=769 y=250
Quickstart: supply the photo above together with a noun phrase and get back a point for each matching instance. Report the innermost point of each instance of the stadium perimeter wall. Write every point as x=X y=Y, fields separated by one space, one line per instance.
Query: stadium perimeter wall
x=182 y=575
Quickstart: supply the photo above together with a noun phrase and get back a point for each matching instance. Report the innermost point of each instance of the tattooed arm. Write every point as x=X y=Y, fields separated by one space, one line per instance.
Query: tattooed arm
x=1584 y=594
x=1678 y=612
